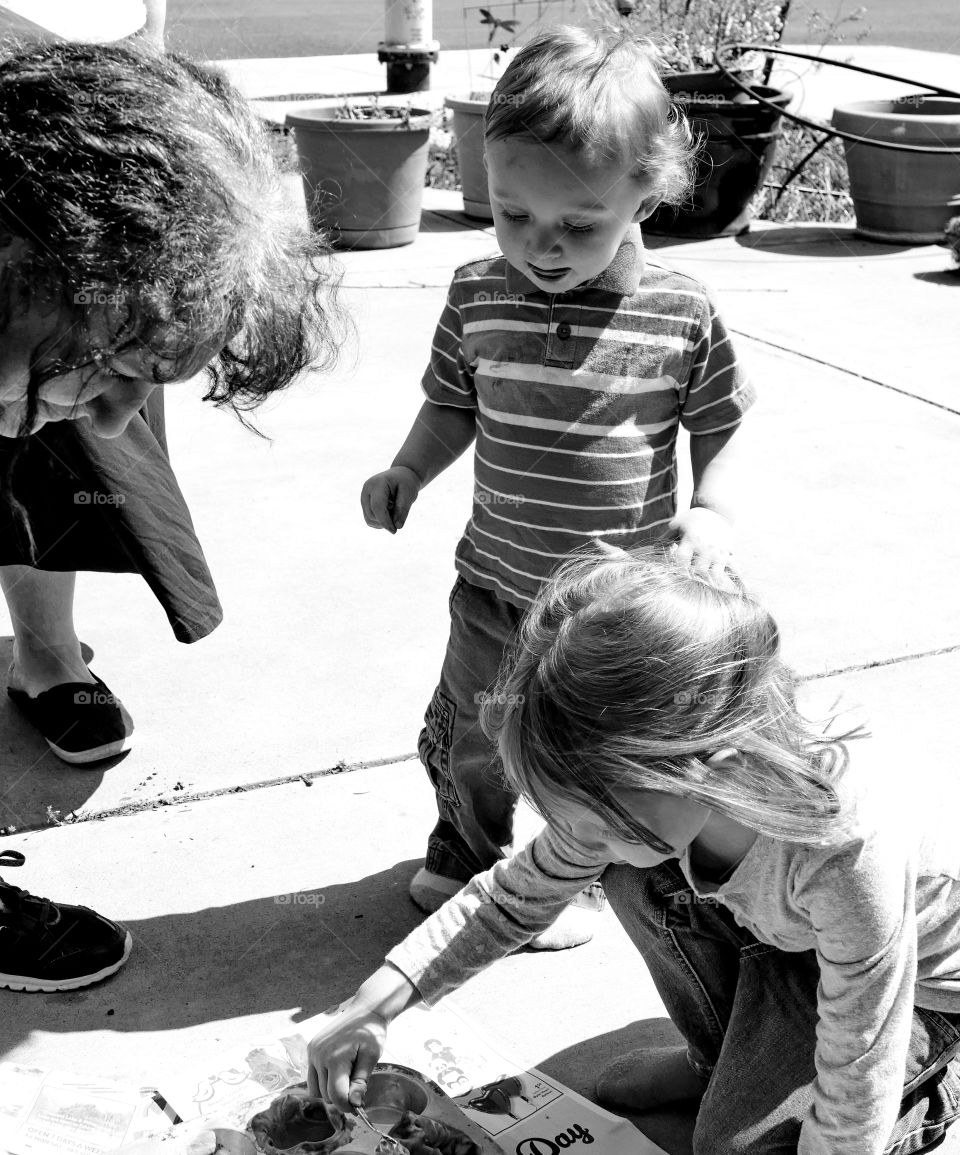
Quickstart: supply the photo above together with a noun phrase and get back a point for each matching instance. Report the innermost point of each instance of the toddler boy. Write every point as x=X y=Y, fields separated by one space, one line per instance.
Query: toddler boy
x=572 y=363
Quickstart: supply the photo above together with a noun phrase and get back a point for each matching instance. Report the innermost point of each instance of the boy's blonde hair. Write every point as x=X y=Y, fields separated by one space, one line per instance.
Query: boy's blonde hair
x=599 y=94
x=630 y=672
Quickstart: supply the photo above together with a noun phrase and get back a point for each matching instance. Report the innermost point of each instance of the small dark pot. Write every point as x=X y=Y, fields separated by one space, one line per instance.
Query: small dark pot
x=739 y=142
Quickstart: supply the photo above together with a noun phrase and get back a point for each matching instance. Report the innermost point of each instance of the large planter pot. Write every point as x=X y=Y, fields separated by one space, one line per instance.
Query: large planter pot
x=363 y=178
x=739 y=138
x=468 y=113
x=903 y=196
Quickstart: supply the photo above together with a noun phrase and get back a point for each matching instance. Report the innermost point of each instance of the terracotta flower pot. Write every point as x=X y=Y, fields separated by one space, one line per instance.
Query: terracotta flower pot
x=363 y=178
x=468 y=113
x=902 y=196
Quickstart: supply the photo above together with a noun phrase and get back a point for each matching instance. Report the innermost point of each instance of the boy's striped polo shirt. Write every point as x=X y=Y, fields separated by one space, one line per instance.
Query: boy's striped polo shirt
x=578 y=398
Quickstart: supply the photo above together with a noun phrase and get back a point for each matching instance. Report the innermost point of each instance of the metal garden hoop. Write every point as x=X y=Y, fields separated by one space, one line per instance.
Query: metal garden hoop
x=829 y=130
x=817 y=125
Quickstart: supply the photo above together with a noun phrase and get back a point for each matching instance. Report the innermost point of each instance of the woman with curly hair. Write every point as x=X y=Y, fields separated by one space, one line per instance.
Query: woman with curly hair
x=144 y=238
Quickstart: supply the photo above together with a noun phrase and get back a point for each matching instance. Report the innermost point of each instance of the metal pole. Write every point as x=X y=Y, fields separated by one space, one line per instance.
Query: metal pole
x=408 y=48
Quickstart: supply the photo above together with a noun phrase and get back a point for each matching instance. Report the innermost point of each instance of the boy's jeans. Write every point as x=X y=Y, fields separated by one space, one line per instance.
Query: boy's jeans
x=475 y=826
x=749 y=1012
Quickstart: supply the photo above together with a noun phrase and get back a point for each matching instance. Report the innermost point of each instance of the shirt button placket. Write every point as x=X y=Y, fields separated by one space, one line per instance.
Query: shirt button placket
x=561 y=343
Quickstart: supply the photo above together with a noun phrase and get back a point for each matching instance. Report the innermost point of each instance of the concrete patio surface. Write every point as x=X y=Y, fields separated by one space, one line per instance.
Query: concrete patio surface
x=278 y=755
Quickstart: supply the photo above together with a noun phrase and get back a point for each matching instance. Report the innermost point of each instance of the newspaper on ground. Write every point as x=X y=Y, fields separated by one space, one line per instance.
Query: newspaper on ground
x=50 y=1113
x=514 y=1107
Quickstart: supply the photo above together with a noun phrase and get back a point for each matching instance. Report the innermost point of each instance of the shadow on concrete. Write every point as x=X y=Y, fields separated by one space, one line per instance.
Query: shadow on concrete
x=451 y=221
x=579 y=1066
x=307 y=951
x=653 y=241
x=36 y=787
x=941 y=277
x=818 y=241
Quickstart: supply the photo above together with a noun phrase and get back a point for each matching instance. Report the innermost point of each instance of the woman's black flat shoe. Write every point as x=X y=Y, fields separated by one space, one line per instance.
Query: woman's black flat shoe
x=81 y=722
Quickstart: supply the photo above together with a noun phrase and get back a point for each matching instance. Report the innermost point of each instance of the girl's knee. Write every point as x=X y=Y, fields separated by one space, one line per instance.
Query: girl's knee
x=714 y=1134
x=731 y=1127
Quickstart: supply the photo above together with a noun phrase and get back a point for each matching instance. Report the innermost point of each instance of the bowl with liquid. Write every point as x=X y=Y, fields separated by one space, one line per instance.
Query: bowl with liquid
x=392 y=1090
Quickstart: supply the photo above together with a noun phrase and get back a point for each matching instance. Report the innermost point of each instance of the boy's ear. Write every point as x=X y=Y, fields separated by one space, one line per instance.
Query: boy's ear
x=647 y=206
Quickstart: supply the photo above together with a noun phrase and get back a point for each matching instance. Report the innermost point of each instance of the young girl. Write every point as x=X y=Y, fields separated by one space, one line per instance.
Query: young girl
x=804 y=942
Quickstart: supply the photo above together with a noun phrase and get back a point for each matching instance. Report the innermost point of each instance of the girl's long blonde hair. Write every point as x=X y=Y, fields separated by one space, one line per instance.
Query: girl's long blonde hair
x=631 y=671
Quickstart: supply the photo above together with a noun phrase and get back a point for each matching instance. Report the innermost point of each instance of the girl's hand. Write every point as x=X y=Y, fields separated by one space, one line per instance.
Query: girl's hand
x=342 y=1055
x=704 y=542
x=386 y=497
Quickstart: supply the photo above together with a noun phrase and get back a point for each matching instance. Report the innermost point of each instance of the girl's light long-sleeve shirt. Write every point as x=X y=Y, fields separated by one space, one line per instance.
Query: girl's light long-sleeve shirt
x=881 y=909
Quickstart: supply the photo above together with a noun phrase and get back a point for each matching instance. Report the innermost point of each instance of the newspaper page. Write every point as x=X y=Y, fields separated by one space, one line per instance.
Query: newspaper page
x=50 y=1113
x=510 y=1107
x=521 y=1110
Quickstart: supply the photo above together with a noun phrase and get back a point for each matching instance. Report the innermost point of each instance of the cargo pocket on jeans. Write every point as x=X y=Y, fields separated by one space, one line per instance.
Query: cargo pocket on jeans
x=436 y=738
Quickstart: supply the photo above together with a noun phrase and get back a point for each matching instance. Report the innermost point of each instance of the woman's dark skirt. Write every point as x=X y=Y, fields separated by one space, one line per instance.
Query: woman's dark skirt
x=110 y=505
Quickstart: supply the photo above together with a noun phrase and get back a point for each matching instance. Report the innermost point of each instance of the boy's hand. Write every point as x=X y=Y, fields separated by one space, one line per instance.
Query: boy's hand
x=704 y=542
x=341 y=1056
x=386 y=497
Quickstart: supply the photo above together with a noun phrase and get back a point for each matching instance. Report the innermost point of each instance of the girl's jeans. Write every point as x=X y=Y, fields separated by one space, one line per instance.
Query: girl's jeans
x=748 y=1013
x=475 y=825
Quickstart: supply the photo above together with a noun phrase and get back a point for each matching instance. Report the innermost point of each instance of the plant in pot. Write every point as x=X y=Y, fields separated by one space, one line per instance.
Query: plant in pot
x=738 y=134
x=501 y=23
x=468 y=112
x=364 y=166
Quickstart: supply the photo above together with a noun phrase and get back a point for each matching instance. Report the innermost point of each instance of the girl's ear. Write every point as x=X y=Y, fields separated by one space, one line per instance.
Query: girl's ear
x=609 y=550
x=727 y=754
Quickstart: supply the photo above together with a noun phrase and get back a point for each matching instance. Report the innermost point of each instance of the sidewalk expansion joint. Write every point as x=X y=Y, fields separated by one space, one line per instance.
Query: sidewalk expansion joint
x=127 y=808
x=843 y=369
x=307 y=779
x=876 y=663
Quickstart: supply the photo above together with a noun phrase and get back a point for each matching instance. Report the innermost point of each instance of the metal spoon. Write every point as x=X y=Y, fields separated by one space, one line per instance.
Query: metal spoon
x=389 y=1139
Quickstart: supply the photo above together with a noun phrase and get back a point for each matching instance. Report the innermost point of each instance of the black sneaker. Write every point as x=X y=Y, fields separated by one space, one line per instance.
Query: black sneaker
x=50 y=946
